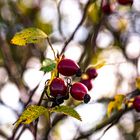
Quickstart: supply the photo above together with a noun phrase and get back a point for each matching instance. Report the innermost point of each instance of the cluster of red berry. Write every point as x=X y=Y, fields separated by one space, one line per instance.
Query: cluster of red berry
x=59 y=89
x=108 y=7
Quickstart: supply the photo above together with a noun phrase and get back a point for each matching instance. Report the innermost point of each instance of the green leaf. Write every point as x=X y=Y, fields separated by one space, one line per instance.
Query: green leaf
x=67 y=111
x=31 y=114
x=48 y=65
x=28 y=35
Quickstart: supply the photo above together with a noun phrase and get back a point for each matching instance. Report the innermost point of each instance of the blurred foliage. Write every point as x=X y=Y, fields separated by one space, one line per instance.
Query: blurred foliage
x=16 y=16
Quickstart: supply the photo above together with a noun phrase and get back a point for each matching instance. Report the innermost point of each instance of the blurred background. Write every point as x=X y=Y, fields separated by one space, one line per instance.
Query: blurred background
x=113 y=37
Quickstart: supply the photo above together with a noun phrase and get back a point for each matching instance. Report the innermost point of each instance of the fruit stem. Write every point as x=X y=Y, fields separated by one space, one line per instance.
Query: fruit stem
x=51 y=47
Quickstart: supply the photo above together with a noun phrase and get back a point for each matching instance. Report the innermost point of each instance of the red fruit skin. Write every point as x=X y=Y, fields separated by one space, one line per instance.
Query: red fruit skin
x=92 y=73
x=125 y=2
x=87 y=83
x=67 y=67
x=107 y=9
x=58 y=87
x=136 y=103
x=78 y=91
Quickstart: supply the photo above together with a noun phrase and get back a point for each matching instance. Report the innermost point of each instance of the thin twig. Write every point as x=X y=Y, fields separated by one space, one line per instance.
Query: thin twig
x=51 y=47
x=78 y=26
x=110 y=125
x=36 y=122
x=3 y=134
x=31 y=95
x=60 y=19
x=29 y=100
x=106 y=122
x=21 y=132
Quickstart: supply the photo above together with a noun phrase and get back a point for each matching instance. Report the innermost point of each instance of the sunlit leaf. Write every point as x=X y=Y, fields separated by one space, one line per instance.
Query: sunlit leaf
x=31 y=114
x=111 y=107
x=94 y=12
x=137 y=82
x=67 y=111
x=117 y=104
x=119 y=98
x=48 y=65
x=100 y=64
x=28 y=35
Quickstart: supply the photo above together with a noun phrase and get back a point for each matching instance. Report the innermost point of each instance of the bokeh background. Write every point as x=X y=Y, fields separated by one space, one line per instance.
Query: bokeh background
x=114 y=38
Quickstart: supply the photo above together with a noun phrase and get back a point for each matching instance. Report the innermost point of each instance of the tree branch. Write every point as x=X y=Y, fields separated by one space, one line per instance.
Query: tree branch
x=112 y=120
x=106 y=122
x=78 y=26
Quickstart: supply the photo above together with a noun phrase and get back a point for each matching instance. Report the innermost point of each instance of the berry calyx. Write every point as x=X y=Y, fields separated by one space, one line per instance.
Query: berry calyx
x=136 y=103
x=87 y=83
x=58 y=87
x=68 y=67
x=78 y=91
x=91 y=72
x=125 y=2
x=87 y=98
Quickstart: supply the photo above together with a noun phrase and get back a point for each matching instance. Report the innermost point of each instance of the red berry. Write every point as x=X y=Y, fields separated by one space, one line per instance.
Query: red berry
x=136 y=103
x=78 y=91
x=87 y=83
x=92 y=73
x=68 y=67
x=125 y=2
x=107 y=8
x=58 y=87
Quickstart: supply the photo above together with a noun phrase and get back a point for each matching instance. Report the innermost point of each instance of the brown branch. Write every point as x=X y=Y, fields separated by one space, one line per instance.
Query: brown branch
x=3 y=134
x=78 y=26
x=112 y=120
x=25 y=105
x=23 y=129
x=37 y=120
x=106 y=122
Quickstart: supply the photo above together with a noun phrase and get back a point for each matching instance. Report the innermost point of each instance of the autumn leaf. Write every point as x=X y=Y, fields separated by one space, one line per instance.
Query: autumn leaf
x=30 y=114
x=111 y=107
x=117 y=104
x=67 y=111
x=94 y=13
x=137 y=82
x=100 y=64
x=28 y=35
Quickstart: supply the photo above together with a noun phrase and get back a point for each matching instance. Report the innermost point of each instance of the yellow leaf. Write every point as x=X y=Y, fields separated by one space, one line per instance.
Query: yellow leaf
x=119 y=98
x=94 y=12
x=111 y=107
x=116 y=104
x=100 y=64
x=29 y=35
x=31 y=114
x=137 y=82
